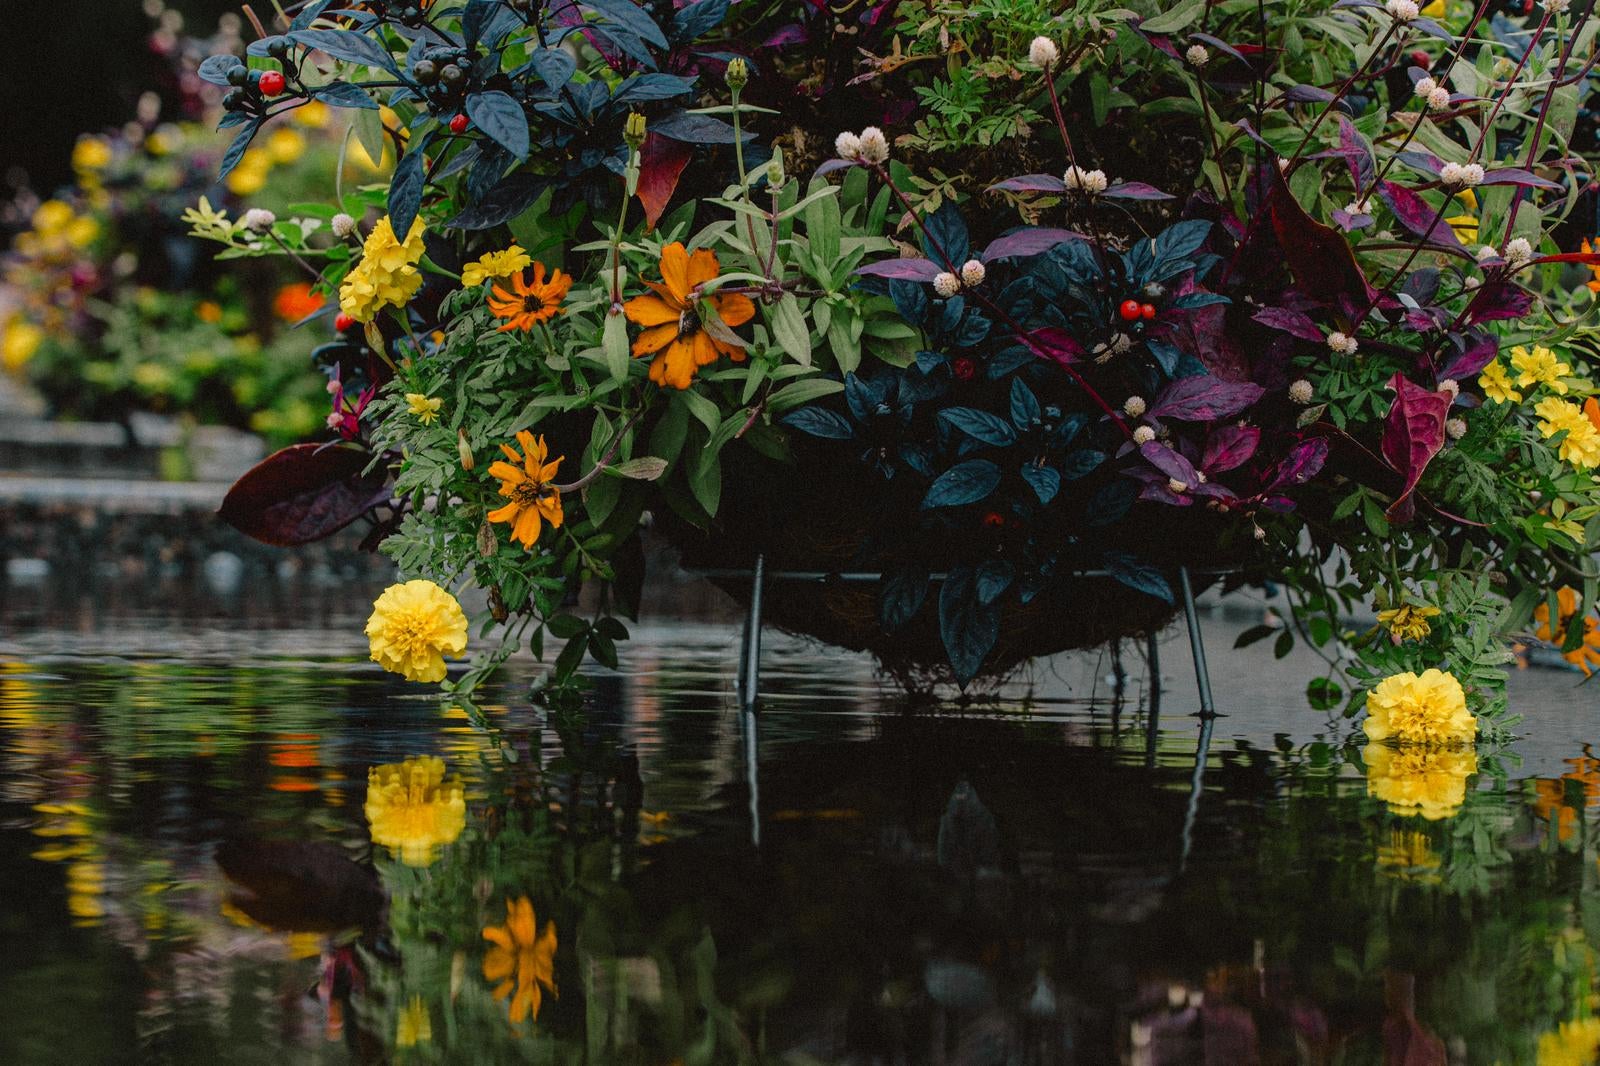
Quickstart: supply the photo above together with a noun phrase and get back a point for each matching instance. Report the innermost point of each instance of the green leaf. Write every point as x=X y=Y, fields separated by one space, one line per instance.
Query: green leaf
x=1175 y=18
x=1283 y=645
x=798 y=393
x=1254 y=634
x=789 y=328
x=706 y=481
x=644 y=468
x=614 y=342
x=702 y=408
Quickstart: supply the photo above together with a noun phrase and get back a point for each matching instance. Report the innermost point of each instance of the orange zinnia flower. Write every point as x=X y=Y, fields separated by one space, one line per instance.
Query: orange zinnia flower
x=525 y=481
x=1586 y=656
x=522 y=959
x=528 y=305
x=1594 y=283
x=674 y=332
x=297 y=301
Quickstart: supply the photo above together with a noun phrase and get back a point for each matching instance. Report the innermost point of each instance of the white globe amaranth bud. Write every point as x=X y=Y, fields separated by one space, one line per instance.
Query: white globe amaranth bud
x=1283 y=165
x=1144 y=435
x=973 y=273
x=1260 y=533
x=1301 y=392
x=1197 y=55
x=1487 y=251
x=1121 y=343
x=259 y=219
x=1455 y=428
x=1402 y=10
x=1461 y=175
x=1343 y=343
x=1424 y=86
x=1358 y=207
x=1180 y=487
x=946 y=284
x=874 y=145
x=1043 y=52
x=1093 y=182
x=342 y=225
x=1133 y=406
x=1557 y=7
x=847 y=146
x=1439 y=99
x=1452 y=386
x=1519 y=252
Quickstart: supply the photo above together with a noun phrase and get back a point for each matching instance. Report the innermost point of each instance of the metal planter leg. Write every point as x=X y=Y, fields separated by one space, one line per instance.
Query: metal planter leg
x=750 y=644
x=1202 y=676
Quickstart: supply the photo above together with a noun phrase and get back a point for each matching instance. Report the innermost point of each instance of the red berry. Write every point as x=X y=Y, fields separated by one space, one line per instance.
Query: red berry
x=1422 y=59
x=1129 y=310
x=994 y=520
x=1147 y=311
x=271 y=83
x=963 y=368
x=344 y=323
x=458 y=124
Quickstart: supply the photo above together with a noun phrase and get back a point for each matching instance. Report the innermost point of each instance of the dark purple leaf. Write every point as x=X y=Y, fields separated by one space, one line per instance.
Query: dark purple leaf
x=1229 y=447
x=1169 y=462
x=1205 y=399
x=1294 y=323
x=1350 y=222
x=1306 y=94
x=1432 y=29
x=1136 y=190
x=1498 y=300
x=1031 y=183
x=833 y=164
x=1320 y=259
x=1057 y=344
x=1479 y=351
x=1412 y=436
x=1030 y=241
x=1219 y=45
x=902 y=269
x=1357 y=152
x=1417 y=215
x=1518 y=176
x=303 y=493
x=1302 y=464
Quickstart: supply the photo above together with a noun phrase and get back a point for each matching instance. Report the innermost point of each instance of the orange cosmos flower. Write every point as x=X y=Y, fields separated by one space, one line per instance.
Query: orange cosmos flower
x=528 y=305
x=674 y=331
x=525 y=481
x=521 y=959
x=297 y=301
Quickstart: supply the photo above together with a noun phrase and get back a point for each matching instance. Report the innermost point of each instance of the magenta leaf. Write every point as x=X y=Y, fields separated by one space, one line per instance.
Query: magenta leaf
x=1294 y=323
x=303 y=493
x=1302 y=464
x=1518 y=176
x=661 y=163
x=1169 y=462
x=1320 y=258
x=1136 y=190
x=1031 y=183
x=1497 y=300
x=1479 y=351
x=1030 y=241
x=1057 y=344
x=1357 y=152
x=1417 y=215
x=1412 y=436
x=902 y=269
x=1205 y=399
x=1229 y=447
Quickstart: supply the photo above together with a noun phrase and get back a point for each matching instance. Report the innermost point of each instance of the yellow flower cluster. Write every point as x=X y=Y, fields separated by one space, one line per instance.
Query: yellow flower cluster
x=413 y=627
x=1575 y=1043
x=1497 y=384
x=18 y=342
x=1431 y=782
x=1408 y=622
x=387 y=275
x=58 y=232
x=1581 y=446
x=414 y=809
x=284 y=145
x=495 y=265
x=424 y=407
x=1428 y=709
x=1539 y=367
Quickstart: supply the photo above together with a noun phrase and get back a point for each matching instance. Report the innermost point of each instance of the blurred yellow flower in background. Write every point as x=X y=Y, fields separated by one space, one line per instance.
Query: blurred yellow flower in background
x=1431 y=782
x=19 y=343
x=1574 y=1043
x=413 y=626
x=521 y=959
x=414 y=809
x=1426 y=709
x=249 y=176
x=285 y=145
x=1409 y=855
x=91 y=154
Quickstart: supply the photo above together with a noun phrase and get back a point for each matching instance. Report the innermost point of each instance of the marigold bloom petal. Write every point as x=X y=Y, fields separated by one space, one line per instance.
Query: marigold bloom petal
x=675 y=271
x=650 y=311
x=703 y=266
x=735 y=309
x=655 y=338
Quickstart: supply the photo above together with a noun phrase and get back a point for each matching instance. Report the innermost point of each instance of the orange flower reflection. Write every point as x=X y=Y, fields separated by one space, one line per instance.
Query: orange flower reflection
x=521 y=960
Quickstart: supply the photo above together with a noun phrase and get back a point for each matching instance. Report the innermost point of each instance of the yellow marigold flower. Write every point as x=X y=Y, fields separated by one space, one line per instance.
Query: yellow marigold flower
x=1539 y=367
x=413 y=627
x=1465 y=227
x=19 y=344
x=1581 y=445
x=495 y=265
x=522 y=959
x=1434 y=10
x=91 y=154
x=1585 y=656
x=425 y=407
x=526 y=482
x=52 y=217
x=313 y=115
x=1497 y=384
x=1408 y=621
x=414 y=809
x=285 y=145
x=249 y=176
x=415 y=1025
x=1575 y=1043
x=387 y=275
x=1431 y=782
x=1430 y=709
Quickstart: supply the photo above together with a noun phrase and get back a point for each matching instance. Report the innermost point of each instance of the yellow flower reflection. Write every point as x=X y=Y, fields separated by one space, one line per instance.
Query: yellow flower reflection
x=414 y=809
x=415 y=1025
x=1431 y=782
x=1409 y=856
x=521 y=960
x=1575 y=1043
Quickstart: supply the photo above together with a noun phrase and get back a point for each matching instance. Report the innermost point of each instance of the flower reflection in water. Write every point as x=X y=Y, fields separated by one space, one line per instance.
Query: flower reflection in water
x=415 y=1025
x=1573 y=1044
x=1431 y=782
x=521 y=959
x=414 y=809
x=1409 y=856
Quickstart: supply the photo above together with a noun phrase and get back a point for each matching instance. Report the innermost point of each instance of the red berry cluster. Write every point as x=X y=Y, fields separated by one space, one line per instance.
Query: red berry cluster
x=1133 y=310
x=343 y=322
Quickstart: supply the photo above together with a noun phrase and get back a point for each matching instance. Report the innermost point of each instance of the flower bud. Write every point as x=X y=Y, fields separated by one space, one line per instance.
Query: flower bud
x=259 y=219
x=1456 y=428
x=1092 y=182
x=1402 y=10
x=946 y=284
x=1301 y=392
x=464 y=450
x=1343 y=343
x=972 y=273
x=1144 y=435
x=1197 y=55
x=738 y=74
x=874 y=145
x=342 y=225
x=1043 y=52
x=1133 y=406
x=775 y=175
x=633 y=131
x=847 y=146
